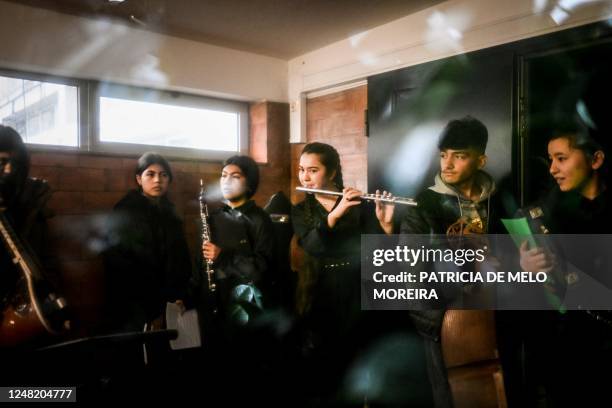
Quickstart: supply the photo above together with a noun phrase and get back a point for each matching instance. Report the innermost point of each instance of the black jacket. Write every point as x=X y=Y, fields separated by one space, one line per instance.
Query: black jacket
x=344 y=240
x=567 y=354
x=331 y=295
x=336 y=332
x=27 y=213
x=246 y=256
x=571 y=213
x=246 y=237
x=147 y=262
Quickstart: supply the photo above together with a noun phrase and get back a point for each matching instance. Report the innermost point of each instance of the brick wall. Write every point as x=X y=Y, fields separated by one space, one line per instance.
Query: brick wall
x=269 y=146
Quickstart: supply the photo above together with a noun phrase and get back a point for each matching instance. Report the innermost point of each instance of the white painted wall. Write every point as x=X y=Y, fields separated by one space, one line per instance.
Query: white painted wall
x=54 y=43
x=450 y=28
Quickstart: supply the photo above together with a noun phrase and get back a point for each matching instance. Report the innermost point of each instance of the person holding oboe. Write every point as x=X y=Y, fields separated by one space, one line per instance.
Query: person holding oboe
x=241 y=246
x=329 y=230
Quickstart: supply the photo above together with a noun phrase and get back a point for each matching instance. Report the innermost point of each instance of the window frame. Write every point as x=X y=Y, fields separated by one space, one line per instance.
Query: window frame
x=83 y=117
x=88 y=117
x=115 y=90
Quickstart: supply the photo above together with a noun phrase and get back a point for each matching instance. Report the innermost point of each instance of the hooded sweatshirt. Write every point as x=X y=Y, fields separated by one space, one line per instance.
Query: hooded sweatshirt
x=441 y=206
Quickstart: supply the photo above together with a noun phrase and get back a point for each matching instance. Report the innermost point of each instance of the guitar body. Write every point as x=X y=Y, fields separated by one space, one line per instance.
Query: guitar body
x=19 y=324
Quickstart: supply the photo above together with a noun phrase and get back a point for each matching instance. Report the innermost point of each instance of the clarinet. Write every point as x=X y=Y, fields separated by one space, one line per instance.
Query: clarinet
x=207 y=264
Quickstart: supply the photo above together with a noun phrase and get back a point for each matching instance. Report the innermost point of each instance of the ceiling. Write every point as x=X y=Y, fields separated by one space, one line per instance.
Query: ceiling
x=278 y=28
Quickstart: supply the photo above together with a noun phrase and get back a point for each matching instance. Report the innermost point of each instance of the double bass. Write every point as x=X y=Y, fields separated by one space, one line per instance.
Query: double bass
x=469 y=340
x=31 y=310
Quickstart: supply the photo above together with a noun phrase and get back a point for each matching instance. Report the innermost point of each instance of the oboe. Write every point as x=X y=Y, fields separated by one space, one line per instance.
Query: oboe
x=369 y=197
x=207 y=263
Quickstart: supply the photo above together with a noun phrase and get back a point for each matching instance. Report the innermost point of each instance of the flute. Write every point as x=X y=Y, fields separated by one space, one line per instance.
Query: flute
x=370 y=197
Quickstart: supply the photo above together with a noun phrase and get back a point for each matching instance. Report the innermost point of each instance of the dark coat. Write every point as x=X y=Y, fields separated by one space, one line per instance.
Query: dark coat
x=567 y=354
x=27 y=213
x=147 y=262
x=246 y=237
x=332 y=263
x=246 y=256
x=338 y=334
x=571 y=213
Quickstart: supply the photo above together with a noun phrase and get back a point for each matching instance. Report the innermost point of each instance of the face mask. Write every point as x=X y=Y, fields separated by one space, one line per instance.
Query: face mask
x=234 y=188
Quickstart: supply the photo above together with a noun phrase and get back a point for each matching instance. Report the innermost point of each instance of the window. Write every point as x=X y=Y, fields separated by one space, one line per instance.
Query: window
x=132 y=119
x=69 y=114
x=42 y=112
x=125 y=121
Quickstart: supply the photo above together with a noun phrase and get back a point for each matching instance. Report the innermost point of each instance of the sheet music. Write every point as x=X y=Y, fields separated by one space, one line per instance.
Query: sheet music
x=186 y=324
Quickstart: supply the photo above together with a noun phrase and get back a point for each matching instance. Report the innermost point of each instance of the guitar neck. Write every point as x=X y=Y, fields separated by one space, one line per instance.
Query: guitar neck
x=16 y=249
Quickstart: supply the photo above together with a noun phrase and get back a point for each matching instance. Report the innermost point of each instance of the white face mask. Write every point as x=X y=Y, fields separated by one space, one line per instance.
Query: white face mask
x=233 y=188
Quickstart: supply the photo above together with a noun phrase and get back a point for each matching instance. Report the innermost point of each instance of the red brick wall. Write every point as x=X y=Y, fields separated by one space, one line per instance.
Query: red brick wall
x=258 y=132
x=269 y=146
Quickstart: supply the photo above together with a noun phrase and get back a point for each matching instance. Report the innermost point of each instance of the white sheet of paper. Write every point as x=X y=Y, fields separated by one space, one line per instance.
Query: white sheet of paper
x=186 y=324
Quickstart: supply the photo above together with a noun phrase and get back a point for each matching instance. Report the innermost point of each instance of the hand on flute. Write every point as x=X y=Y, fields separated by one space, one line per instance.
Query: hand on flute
x=384 y=211
x=350 y=198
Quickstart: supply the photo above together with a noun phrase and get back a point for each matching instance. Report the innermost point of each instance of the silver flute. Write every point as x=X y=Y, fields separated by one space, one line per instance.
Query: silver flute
x=370 y=197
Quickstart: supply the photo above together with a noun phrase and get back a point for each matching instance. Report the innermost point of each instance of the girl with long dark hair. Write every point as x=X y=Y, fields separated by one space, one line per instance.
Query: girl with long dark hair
x=148 y=261
x=329 y=230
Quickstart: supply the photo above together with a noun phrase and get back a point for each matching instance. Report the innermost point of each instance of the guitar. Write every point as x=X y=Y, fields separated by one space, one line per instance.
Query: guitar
x=25 y=314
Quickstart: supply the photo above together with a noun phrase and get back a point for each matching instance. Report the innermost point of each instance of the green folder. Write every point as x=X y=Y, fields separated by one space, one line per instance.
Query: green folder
x=519 y=231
